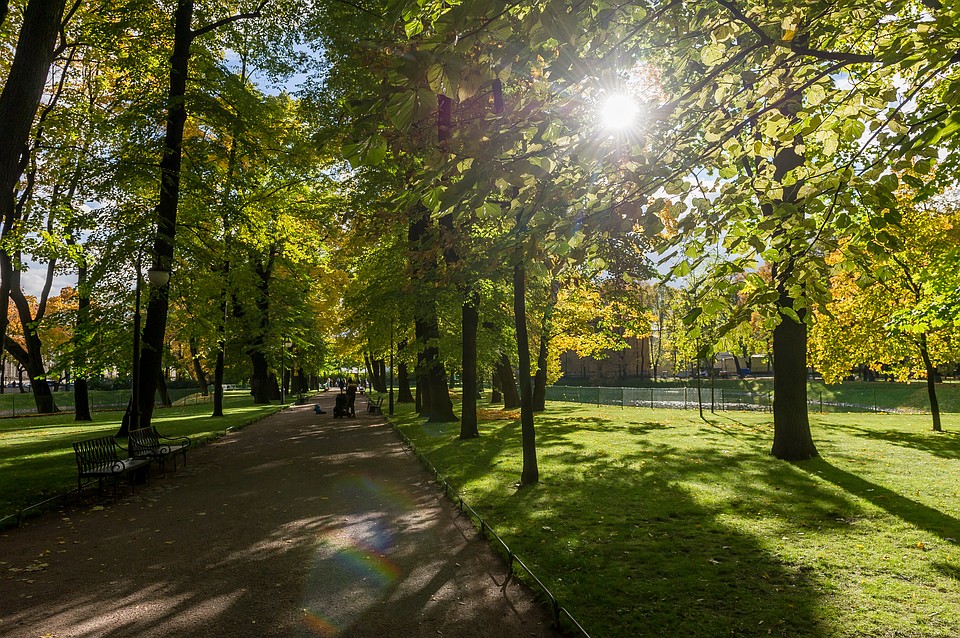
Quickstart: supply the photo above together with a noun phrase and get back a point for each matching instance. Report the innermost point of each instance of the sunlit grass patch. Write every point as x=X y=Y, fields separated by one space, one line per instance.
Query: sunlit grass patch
x=655 y=523
x=37 y=460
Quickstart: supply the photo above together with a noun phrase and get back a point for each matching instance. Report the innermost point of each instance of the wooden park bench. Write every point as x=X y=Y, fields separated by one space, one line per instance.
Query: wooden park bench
x=97 y=459
x=375 y=407
x=147 y=443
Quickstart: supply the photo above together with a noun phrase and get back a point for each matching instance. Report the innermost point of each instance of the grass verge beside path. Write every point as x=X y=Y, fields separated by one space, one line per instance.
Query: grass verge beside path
x=36 y=453
x=655 y=523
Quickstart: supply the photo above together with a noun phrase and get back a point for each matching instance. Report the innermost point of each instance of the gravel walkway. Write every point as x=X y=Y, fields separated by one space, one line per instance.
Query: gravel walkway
x=300 y=525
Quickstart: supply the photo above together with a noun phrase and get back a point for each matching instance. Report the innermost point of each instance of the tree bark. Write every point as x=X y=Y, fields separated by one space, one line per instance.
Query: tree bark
x=470 y=323
x=438 y=403
x=540 y=379
x=263 y=384
x=198 y=372
x=404 y=395
x=156 y=322
x=162 y=391
x=431 y=377
x=530 y=473
x=19 y=102
x=371 y=375
x=508 y=384
x=32 y=361
x=495 y=394
x=792 y=440
x=418 y=400
x=81 y=394
x=260 y=378
x=381 y=367
x=218 y=383
x=931 y=383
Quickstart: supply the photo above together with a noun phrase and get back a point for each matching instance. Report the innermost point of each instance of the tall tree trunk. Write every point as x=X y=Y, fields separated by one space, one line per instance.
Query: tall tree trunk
x=81 y=394
x=530 y=473
x=31 y=360
x=19 y=101
x=418 y=400
x=381 y=367
x=218 y=383
x=162 y=391
x=431 y=377
x=438 y=394
x=495 y=395
x=260 y=377
x=273 y=383
x=792 y=440
x=470 y=324
x=546 y=326
x=404 y=395
x=371 y=375
x=508 y=384
x=931 y=383
x=198 y=372
x=155 y=326
x=263 y=383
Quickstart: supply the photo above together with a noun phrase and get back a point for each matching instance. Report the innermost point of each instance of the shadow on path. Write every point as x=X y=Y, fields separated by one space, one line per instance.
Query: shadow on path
x=300 y=525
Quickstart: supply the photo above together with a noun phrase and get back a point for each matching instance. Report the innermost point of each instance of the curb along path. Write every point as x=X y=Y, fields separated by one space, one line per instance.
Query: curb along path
x=299 y=525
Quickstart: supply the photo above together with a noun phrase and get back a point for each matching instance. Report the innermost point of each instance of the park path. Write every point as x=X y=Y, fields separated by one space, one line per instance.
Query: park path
x=299 y=525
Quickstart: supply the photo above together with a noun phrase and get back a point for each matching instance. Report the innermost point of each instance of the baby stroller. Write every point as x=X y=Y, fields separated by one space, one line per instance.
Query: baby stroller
x=340 y=407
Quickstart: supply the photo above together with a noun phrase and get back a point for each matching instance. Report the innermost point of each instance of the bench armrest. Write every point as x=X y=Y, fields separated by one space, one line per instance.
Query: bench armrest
x=183 y=441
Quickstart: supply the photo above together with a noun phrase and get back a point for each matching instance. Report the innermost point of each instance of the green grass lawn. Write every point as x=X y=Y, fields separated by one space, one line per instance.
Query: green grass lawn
x=655 y=523
x=36 y=453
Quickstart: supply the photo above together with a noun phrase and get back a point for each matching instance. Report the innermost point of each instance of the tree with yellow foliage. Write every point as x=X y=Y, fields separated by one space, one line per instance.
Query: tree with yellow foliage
x=886 y=281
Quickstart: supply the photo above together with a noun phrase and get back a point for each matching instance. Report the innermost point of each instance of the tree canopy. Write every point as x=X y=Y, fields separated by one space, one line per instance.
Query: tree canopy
x=447 y=183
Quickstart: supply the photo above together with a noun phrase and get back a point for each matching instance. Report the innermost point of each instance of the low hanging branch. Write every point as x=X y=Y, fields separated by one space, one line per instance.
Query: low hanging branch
x=196 y=33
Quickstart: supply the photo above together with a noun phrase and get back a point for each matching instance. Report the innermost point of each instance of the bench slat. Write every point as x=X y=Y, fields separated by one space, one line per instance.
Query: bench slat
x=147 y=443
x=97 y=458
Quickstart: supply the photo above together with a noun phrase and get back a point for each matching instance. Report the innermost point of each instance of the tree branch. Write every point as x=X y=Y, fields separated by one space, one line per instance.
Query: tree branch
x=196 y=33
x=834 y=56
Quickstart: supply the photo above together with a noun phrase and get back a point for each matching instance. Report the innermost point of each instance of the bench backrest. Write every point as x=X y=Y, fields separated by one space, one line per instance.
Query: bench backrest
x=144 y=440
x=94 y=453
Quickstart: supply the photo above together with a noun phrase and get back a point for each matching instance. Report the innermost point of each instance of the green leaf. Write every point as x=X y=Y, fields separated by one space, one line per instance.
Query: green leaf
x=489 y=209
x=682 y=269
x=815 y=95
x=413 y=27
x=692 y=316
x=790 y=312
x=376 y=150
x=713 y=54
x=401 y=110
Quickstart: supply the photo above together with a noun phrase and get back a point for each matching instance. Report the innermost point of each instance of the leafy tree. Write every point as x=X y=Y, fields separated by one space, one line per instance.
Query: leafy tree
x=884 y=285
x=184 y=36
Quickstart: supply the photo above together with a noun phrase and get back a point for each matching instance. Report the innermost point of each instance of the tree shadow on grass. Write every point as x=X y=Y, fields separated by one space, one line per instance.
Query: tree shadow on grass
x=943 y=444
x=913 y=512
x=633 y=553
